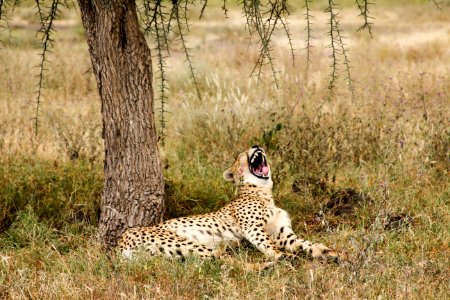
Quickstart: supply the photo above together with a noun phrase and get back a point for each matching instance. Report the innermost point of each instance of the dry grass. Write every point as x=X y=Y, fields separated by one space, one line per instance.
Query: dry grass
x=391 y=145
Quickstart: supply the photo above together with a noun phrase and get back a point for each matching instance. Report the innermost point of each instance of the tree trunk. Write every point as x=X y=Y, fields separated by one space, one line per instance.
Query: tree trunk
x=133 y=185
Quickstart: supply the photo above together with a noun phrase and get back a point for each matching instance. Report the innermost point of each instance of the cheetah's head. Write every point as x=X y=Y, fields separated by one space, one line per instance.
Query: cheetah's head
x=250 y=167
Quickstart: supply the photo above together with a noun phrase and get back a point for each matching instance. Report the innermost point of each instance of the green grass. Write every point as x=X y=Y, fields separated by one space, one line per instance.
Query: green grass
x=59 y=194
x=47 y=254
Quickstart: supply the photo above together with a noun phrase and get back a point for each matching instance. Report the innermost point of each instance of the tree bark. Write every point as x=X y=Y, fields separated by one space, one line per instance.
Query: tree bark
x=133 y=185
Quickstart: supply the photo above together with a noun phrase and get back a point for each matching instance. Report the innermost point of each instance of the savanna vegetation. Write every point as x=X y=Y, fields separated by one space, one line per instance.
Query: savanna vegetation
x=366 y=173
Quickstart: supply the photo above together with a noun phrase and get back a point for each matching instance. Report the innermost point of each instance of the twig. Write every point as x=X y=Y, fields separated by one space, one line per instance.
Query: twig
x=363 y=6
x=47 y=29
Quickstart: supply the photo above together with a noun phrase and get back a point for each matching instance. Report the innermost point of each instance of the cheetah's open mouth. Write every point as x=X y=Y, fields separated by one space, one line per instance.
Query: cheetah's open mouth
x=258 y=164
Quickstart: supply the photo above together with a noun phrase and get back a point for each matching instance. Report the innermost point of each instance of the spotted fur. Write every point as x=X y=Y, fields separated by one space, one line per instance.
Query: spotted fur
x=252 y=216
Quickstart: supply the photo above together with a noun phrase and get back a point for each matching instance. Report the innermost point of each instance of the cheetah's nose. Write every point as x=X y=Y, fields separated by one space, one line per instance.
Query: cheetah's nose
x=255 y=146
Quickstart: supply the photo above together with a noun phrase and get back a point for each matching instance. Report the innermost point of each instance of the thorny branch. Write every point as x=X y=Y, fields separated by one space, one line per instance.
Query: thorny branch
x=275 y=12
x=205 y=2
x=6 y=6
x=309 y=36
x=437 y=4
x=334 y=48
x=263 y=18
x=46 y=30
x=337 y=47
x=363 y=6
x=179 y=20
x=157 y=28
x=346 y=59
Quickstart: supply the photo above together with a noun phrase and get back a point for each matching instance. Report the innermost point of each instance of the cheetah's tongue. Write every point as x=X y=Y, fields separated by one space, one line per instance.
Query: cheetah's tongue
x=265 y=170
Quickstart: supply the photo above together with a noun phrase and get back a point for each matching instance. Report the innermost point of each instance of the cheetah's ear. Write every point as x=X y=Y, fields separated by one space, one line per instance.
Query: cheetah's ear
x=228 y=175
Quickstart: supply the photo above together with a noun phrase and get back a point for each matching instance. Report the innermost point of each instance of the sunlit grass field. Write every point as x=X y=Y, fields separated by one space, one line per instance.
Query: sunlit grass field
x=367 y=175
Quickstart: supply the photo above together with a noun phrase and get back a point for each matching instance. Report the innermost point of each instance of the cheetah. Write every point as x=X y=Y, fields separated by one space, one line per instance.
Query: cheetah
x=252 y=216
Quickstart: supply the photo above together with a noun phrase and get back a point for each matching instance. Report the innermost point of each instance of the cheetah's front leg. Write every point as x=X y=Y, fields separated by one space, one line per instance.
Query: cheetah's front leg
x=257 y=235
x=280 y=229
